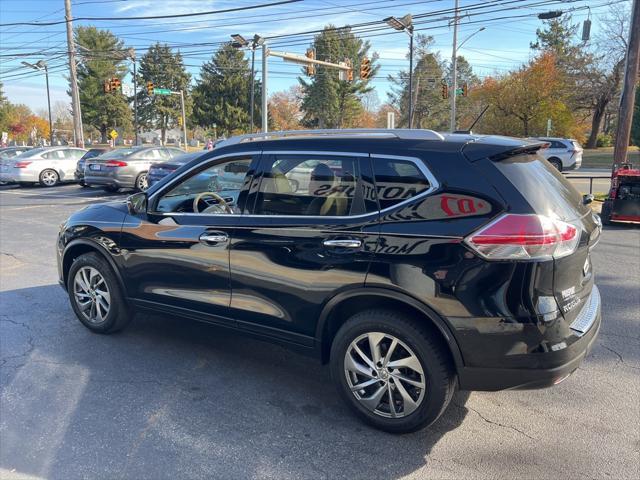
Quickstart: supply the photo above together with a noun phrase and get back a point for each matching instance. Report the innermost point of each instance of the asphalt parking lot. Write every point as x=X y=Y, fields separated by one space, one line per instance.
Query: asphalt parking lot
x=169 y=398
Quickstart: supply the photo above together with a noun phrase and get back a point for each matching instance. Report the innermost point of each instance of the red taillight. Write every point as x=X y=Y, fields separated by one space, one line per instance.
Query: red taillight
x=116 y=163
x=525 y=237
x=22 y=164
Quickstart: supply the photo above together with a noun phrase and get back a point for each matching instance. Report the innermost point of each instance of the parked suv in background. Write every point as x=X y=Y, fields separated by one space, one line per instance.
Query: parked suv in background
x=413 y=262
x=562 y=153
x=91 y=153
x=126 y=167
x=45 y=165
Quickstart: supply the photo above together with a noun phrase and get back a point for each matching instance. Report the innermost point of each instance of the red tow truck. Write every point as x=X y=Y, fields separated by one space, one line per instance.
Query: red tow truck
x=623 y=202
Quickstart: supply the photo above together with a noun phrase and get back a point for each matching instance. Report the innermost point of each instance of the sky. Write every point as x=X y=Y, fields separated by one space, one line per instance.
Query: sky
x=509 y=27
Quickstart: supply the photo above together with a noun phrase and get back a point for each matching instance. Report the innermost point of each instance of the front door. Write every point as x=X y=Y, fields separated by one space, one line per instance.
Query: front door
x=178 y=253
x=308 y=233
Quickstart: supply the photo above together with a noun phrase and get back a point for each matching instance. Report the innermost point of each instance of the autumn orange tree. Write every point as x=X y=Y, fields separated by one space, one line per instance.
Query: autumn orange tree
x=284 y=109
x=522 y=101
x=19 y=121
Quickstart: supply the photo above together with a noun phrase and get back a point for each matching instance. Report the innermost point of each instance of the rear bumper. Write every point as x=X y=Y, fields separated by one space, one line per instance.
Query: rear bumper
x=551 y=367
x=112 y=181
x=21 y=175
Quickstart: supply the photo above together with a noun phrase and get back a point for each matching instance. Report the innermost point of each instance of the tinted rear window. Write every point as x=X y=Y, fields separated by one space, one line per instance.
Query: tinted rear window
x=397 y=180
x=544 y=188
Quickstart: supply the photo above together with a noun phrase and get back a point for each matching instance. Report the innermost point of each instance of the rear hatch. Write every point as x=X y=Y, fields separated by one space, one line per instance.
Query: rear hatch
x=550 y=194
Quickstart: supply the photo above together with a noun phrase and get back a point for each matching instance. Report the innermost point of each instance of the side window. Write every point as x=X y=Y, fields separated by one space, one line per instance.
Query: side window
x=397 y=180
x=307 y=185
x=214 y=190
x=152 y=154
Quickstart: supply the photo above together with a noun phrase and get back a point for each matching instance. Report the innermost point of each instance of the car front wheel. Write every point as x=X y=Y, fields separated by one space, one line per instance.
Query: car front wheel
x=392 y=371
x=141 y=182
x=96 y=296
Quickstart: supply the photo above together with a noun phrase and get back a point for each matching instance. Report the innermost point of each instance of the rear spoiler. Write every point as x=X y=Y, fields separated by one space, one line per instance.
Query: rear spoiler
x=525 y=149
x=499 y=148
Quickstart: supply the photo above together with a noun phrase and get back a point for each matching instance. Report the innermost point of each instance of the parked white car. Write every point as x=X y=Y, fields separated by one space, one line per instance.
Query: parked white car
x=562 y=153
x=47 y=166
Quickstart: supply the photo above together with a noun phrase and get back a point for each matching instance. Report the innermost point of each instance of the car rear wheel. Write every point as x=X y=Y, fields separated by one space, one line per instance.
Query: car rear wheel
x=49 y=178
x=141 y=182
x=605 y=213
x=391 y=371
x=95 y=294
x=556 y=163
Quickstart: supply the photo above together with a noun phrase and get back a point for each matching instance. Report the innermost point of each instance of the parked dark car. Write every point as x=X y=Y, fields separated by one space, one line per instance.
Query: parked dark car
x=158 y=171
x=91 y=153
x=126 y=167
x=413 y=262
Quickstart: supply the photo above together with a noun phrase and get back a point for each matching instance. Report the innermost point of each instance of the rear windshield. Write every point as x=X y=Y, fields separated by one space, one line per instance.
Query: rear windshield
x=544 y=188
x=118 y=153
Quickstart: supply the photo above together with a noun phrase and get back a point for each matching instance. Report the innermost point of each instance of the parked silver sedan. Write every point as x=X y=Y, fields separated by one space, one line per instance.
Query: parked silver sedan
x=126 y=167
x=46 y=165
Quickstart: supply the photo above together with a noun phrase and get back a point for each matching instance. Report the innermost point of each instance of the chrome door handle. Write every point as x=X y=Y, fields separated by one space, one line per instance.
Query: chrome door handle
x=213 y=238
x=344 y=243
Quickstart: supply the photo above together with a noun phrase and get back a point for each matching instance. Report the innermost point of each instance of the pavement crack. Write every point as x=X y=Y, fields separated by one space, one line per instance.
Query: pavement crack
x=499 y=424
x=619 y=355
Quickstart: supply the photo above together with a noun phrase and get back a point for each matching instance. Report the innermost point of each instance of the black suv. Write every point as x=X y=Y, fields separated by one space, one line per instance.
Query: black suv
x=414 y=262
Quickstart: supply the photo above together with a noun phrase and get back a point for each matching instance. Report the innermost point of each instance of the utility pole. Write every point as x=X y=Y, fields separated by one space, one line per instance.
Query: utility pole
x=625 y=115
x=454 y=69
x=75 y=97
x=132 y=55
x=184 y=117
x=265 y=115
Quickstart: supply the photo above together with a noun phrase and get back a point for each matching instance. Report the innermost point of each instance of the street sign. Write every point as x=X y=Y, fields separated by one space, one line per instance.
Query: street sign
x=161 y=91
x=113 y=134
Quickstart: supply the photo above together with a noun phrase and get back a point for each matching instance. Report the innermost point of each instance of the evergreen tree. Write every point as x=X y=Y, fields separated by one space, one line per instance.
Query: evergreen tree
x=430 y=110
x=101 y=56
x=165 y=70
x=221 y=95
x=328 y=101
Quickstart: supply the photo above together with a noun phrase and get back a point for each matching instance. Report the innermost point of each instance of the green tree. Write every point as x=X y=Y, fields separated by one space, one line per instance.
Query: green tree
x=164 y=69
x=101 y=56
x=430 y=109
x=221 y=95
x=328 y=101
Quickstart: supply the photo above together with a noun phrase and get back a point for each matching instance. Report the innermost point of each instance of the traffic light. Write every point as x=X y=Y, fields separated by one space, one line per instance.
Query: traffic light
x=107 y=86
x=149 y=88
x=445 y=90
x=465 y=89
x=350 y=71
x=365 y=69
x=310 y=68
x=115 y=84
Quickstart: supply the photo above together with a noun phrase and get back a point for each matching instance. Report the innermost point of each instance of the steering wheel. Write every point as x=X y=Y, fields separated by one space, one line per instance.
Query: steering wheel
x=221 y=206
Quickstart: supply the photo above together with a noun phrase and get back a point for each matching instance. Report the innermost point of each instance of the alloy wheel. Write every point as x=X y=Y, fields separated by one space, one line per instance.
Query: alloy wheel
x=142 y=184
x=384 y=375
x=49 y=178
x=92 y=294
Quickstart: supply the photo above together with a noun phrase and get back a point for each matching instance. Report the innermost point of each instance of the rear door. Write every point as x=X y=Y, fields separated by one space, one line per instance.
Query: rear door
x=548 y=193
x=309 y=233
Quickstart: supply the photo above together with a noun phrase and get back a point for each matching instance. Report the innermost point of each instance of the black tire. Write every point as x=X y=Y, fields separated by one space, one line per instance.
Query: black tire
x=110 y=188
x=605 y=213
x=49 y=178
x=439 y=377
x=556 y=162
x=82 y=184
x=119 y=314
x=141 y=184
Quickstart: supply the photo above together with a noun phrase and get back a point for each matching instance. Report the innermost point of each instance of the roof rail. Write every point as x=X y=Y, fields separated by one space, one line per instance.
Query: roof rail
x=402 y=133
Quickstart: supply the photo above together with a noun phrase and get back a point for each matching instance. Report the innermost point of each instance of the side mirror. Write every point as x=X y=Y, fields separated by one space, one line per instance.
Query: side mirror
x=587 y=199
x=137 y=203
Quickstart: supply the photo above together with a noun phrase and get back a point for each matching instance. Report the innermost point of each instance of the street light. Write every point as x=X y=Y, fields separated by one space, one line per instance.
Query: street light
x=240 y=42
x=42 y=65
x=454 y=74
x=405 y=24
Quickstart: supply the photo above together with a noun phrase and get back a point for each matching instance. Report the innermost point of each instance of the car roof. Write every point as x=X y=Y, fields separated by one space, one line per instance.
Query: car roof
x=474 y=146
